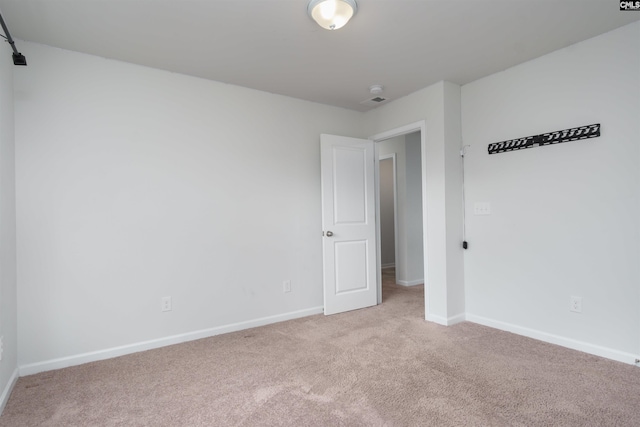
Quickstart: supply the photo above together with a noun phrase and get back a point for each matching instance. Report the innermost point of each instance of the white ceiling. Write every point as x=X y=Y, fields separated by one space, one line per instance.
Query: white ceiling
x=272 y=45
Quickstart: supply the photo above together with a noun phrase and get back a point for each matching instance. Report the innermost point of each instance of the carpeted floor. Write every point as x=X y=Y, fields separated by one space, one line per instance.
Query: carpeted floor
x=382 y=366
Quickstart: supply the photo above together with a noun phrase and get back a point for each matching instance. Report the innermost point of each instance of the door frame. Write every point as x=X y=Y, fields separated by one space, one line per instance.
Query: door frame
x=420 y=126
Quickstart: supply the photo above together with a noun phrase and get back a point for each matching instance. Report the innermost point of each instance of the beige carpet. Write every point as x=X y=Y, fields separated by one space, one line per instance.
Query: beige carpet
x=383 y=366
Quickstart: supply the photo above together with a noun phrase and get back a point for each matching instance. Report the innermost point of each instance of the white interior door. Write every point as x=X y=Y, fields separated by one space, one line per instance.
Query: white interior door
x=349 y=223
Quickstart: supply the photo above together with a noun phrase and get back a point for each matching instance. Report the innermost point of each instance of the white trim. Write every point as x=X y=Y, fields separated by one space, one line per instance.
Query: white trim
x=64 y=362
x=585 y=347
x=446 y=321
x=6 y=393
x=376 y=179
x=402 y=130
x=410 y=282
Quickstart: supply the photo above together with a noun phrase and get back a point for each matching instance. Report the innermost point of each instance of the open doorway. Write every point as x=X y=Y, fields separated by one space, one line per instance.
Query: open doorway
x=350 y=183
x=400 y=207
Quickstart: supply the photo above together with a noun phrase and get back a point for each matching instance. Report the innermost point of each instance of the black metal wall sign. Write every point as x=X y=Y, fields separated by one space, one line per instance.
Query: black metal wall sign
x=566 y=135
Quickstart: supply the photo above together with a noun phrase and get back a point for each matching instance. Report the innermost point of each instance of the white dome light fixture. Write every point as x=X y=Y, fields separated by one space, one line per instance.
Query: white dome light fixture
x=332 y=14
x=376 y=89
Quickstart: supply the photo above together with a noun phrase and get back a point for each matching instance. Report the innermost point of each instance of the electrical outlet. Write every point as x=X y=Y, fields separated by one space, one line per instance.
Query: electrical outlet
x=286 y=286
x=166 y=304
x=575 y=304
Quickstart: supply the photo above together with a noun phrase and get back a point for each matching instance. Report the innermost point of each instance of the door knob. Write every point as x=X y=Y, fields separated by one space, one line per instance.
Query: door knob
x=329 y=233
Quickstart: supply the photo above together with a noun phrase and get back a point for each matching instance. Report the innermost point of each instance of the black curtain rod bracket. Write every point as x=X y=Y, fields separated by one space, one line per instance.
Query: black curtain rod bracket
x=18 y=58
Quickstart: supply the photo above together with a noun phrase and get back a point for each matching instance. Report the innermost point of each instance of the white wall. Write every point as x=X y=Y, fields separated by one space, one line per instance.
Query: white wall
x=389 y=147
x=413 y=210
x=564 y=218
x=387 y=213
x=8 y=317
x=444 y=290
x=453 y=199
x=135 y=183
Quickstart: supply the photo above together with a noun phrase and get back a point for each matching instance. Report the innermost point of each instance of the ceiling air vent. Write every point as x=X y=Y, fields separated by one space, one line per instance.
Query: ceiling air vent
x=375 y=101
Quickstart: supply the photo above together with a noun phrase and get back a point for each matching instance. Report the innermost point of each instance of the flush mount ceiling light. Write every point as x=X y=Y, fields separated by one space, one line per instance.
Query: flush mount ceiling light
x=376 y=89
x=332 y=14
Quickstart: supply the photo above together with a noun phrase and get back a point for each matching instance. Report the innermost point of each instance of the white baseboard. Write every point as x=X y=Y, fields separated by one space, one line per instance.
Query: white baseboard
x=585 y=347
x=64 y=362
x=410 y=282
x=446 y=321
x=6 y=393
x=392 y=265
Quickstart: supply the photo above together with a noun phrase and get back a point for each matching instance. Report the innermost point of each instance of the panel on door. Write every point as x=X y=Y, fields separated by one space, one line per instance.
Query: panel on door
x=348 y=220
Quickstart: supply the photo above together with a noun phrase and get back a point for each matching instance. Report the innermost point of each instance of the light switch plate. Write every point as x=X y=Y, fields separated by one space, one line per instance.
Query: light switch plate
x=482 y=208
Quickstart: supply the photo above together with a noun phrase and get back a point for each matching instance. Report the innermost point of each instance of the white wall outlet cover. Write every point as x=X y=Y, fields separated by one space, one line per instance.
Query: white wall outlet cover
x=575 y=304
x=166 y=304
